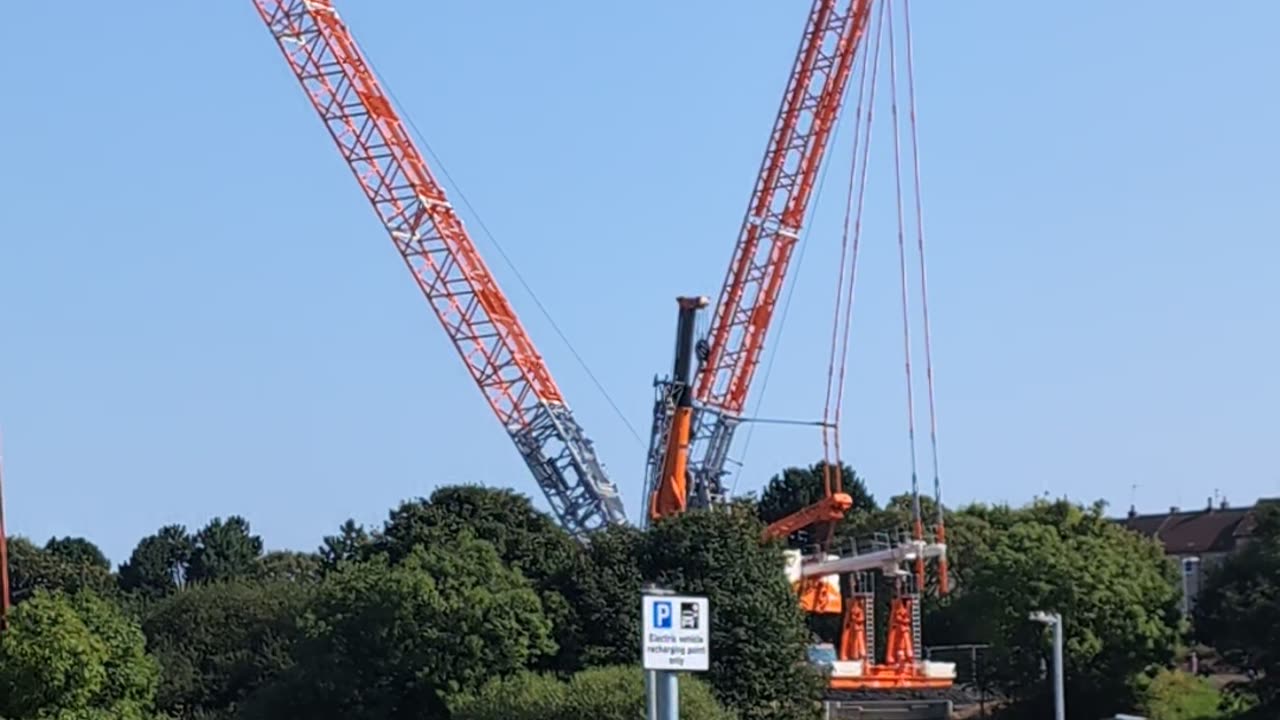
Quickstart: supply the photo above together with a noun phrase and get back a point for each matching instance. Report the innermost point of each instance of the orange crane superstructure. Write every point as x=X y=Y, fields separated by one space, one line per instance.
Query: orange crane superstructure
x=671 y=495
x=697 y=411
x=769 y=234
x=698 y=434
x=444 y=261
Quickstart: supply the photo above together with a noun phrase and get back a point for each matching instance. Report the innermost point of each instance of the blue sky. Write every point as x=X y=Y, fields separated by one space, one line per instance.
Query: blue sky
x=199 y=314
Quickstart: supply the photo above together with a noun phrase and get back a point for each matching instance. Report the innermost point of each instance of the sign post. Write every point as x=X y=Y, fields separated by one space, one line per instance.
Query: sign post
x=676 y=637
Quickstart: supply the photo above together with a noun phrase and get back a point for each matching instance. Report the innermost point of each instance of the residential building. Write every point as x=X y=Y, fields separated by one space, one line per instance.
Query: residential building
x=1197 y=539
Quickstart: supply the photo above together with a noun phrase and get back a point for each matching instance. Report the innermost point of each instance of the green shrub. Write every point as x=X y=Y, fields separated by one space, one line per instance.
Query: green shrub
x=611 y=693
x=1177 y=695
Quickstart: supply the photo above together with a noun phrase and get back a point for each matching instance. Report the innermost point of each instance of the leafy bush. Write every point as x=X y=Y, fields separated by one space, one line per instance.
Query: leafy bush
x=390 y=641
x=74 y=657
x=217 y=643
x=1176 y=695
x=611 y=693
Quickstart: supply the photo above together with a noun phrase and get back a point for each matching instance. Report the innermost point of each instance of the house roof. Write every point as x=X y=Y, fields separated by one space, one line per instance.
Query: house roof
x=1201 y=531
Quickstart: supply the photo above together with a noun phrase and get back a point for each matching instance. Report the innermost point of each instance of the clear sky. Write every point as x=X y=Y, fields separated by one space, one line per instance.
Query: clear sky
x=199 y=314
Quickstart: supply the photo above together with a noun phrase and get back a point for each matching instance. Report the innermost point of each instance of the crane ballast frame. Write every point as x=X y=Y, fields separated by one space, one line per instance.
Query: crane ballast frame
x=444 y=261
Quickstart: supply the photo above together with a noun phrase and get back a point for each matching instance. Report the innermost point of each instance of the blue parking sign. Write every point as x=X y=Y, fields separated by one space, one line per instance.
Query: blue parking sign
x=662 y=615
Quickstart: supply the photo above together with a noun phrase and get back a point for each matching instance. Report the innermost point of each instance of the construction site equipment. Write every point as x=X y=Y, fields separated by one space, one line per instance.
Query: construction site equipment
x=769 y=233
x=670 y=495
x=444 y=261
x=833 y=39
x=697 y=412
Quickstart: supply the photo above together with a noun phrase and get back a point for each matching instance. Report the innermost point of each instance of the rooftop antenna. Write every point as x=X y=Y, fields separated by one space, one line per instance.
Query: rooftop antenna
x=4 y=550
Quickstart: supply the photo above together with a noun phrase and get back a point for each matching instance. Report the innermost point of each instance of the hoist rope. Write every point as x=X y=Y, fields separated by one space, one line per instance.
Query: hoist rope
x=456 y=190
x=924 y=297
x=917 y=522
x=857 y=188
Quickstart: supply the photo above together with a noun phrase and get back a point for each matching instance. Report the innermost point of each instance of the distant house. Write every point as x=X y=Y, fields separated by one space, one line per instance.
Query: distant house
x=1197 y=539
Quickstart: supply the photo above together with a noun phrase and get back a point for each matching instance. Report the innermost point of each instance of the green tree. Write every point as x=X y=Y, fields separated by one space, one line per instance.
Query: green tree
x=53 y=568
x=527 y=540
x=224 y=550
x=288 y=566
x=1176 y=695
x=74 y=657
x=1115 y=590
x=608 y=693
x=78 y=551
x=386 y=641
x=160 y=563
x=219 y=642
x=1238 y=610
x=758 y=632
x=351 y=543
x=605 y=596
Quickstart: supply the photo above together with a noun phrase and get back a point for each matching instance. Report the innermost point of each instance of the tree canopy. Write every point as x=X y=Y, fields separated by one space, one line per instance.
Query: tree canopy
x=68 y=565
x=384 y=639
x=1116 y=592
x=74 y=656
x=472 y=595
x=219 y=643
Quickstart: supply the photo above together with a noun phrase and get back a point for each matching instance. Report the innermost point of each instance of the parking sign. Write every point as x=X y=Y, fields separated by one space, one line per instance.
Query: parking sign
x=676 y=633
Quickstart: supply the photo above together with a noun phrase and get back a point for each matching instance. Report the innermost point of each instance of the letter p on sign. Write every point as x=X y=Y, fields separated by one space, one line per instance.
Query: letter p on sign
x=662 y=615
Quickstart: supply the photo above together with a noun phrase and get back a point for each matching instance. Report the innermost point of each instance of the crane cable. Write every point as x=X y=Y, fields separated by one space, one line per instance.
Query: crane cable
x=849 y=246
x=939 y=528
x=850 y=240
x=916 y=519
x=917 y=515
x=456 y=189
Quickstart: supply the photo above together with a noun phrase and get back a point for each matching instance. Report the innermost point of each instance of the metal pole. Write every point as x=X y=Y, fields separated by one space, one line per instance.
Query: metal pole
x=982 y=688
x=1054 y=620
x=5 y=599
x=662 y=692
x=1059 y=694
x=668 y=695
x=650 y=695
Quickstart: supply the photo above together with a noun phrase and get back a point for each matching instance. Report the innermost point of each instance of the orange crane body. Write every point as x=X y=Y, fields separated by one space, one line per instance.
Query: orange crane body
x=671 y=495
x=444 y=261
x=829 y=509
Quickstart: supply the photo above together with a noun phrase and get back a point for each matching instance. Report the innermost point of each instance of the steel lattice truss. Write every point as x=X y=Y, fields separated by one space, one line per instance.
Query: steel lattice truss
x=444 y=261
x=768 y=236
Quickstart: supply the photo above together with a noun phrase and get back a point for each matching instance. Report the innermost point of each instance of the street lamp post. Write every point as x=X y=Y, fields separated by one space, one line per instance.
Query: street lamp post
x=1054 y=620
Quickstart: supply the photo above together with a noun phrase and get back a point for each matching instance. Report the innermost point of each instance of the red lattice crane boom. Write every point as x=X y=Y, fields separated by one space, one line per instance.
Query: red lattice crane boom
x=770 y=231
x=443 y=260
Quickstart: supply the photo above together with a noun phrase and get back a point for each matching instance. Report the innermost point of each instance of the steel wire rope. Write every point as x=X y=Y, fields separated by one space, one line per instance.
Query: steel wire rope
x=831 y=421
x=857 y=234
x=515 y=270
x=917 y=522
x=940 y=531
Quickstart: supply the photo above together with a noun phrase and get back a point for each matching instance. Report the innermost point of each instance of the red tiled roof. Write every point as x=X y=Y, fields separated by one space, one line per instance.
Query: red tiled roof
x=1200 y=531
